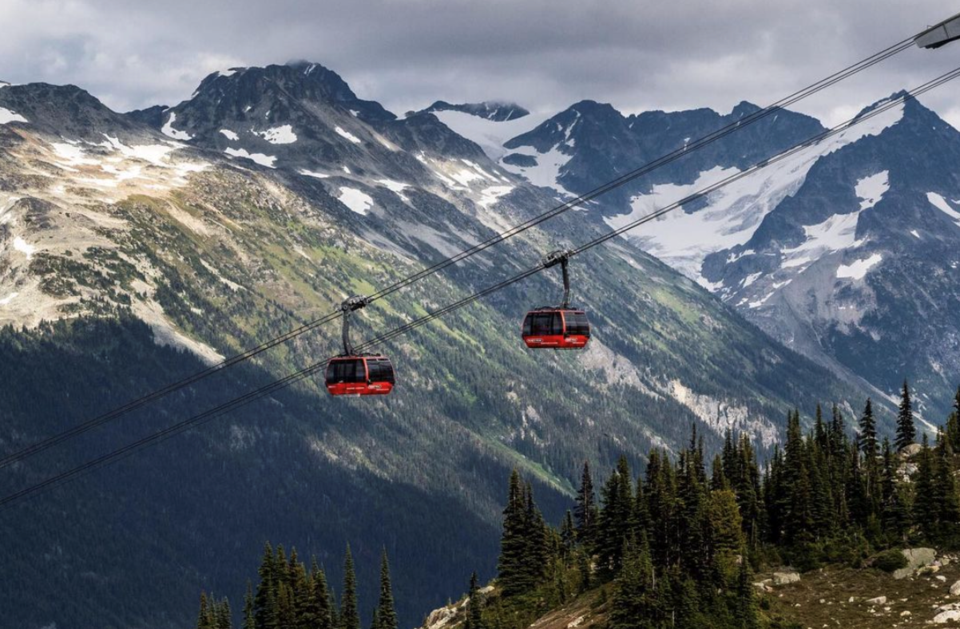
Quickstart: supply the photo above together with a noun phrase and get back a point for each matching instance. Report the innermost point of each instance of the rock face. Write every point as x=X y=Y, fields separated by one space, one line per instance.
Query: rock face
x=917 y=558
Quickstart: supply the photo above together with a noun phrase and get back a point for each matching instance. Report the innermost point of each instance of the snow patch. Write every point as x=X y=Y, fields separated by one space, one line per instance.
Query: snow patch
x=834 y=234
x=231 y=135
x=359 y=202
x=7 y=116
x=858 y=270
x=941 y=204
x=395 y=187
x=547 y=170
x=346 y=134
x=311 y=173
x=23 y=247
x=871 y=189
x=6 y=300
x=259 y=158
x=170 y=132
x=493 y=193
x=278 y=135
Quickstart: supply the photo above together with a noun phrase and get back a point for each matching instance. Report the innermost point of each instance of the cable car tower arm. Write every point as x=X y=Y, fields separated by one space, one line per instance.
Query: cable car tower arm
x=939 y=35
x=560 y=257
x=347 y=307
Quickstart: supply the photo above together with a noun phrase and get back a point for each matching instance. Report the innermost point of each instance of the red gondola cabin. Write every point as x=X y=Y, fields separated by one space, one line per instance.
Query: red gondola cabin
x=359 y=375
x=556 y=328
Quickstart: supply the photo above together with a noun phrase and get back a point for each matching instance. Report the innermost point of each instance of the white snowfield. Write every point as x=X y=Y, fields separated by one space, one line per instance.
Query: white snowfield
x=837 y=233
x=546 y=172
x=259 y=158
x=489 y=134
x=278 y=135
x=734 y=212
x=357 y=200
x=230 y=135
x=7 y=116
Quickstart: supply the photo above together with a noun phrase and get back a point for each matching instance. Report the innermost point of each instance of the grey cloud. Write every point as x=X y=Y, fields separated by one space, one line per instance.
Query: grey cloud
x=544 y=54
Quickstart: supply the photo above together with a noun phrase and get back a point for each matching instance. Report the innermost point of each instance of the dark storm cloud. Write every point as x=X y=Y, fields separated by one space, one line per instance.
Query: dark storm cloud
x=544 y=54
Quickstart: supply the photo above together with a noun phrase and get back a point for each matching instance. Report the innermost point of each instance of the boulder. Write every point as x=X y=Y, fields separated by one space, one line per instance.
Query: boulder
x=785 y=578
x=947 y=616
x=916 y=558
x=955 y=589
x=880 y=600
x=911 y=450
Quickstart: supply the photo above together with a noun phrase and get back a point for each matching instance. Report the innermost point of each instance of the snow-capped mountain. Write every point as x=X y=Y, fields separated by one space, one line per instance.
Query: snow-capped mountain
x=844 y=251
x=858 y=264
x=259 y=204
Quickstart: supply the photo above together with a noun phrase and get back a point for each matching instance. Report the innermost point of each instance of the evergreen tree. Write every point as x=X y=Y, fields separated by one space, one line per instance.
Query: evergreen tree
x=745 y=612
x=634 y=600
x=585 y=509
x=906 y=430
x=513 y=567
x=537 y=539
x=895 y=518
x=868 y=432
x=925 y=507
x=718 y=480
x=953 y=423
x=265 y=603
x=946 y=491
x=615 y=517
x=248 y=618
x=799 y=523
x=568 y=534
x=222 y=616
x=205 y=617
x=386 y=613
x=661 y=496
x=322 y=598
x=474 y=606
x=349 y=614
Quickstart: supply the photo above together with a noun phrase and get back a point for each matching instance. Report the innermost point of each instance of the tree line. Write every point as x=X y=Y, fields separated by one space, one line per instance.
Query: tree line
x=678 y=545
x=290 y=596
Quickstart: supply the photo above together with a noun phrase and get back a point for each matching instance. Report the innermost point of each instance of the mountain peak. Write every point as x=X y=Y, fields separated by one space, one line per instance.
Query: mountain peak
x=65 y=110
x=490 y=110
x=909 y=107
x=745 y=108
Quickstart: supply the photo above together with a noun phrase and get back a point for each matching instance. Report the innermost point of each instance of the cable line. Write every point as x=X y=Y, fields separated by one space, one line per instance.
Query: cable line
x=647 y=168
x=277 y=385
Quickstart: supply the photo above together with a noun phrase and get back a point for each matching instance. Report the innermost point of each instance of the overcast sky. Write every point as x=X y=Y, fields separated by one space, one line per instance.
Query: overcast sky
x=543 y=54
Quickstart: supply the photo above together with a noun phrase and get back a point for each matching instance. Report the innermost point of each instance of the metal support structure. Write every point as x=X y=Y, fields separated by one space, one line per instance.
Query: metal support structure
x=939 y=35
x=347 y=307
x=561 y=257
